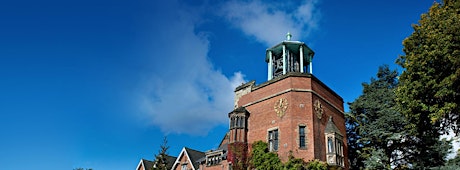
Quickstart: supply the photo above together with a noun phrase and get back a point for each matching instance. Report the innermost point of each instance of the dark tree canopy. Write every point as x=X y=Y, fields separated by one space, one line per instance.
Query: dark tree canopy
x=376 y=130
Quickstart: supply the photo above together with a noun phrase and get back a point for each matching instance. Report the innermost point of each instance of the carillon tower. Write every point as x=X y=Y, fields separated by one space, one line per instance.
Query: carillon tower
x=293 y=112
x=288 y=56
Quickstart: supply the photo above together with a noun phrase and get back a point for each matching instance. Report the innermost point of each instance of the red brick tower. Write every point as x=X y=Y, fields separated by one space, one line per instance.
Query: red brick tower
x=294 y=112
x=238 y=139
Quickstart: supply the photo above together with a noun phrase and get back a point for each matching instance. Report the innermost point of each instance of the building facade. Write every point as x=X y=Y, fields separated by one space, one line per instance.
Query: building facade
x=293 y=111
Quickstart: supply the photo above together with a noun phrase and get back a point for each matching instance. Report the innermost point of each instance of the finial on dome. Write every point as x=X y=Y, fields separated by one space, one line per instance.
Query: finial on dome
x=288 y=36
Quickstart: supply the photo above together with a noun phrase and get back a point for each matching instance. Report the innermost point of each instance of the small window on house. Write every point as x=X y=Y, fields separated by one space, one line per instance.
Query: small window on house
x=273 y=140
x=184 y=166
x=302 y=136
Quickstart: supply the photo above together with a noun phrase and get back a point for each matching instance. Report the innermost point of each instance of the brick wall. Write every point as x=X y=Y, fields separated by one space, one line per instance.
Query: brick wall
x=300 y=91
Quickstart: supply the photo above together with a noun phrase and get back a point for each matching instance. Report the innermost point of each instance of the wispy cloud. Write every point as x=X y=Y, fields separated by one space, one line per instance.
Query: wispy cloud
x=268 y=22
x=185 y=93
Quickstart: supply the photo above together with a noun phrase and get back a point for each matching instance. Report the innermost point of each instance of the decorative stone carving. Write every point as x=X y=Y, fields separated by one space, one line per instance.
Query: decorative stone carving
x=280 y=107
x=318 y=109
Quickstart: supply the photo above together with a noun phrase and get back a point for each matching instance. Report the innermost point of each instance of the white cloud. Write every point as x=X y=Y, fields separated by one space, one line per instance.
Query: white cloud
x=269 y=22
x=185 y=93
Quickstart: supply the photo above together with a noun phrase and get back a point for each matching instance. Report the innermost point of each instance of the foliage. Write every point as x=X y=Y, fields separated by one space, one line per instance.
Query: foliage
x=429 y=90
x=375 y=160
x=160 y=161
x=237 y=154
x=316 y=165
x=294 y=163
x=263 y=159
x=355 y=148
x=455 y=161
x=452 y=164
x=376 y=133
x=430 y=84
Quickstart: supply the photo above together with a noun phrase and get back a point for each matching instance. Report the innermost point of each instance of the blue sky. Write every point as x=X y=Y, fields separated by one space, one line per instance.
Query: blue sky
x=97 y=84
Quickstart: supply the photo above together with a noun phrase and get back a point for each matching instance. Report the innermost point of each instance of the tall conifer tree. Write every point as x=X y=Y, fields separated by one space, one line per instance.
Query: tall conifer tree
x=376 y=133
x=161 y=161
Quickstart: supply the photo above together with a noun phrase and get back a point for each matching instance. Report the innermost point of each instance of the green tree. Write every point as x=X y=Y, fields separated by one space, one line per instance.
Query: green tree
x=316 y=165
x=455 y=161
x=429 y=90
x=161 y=161
x=354 y=146
x=294 y=163
x=376 y=131
x=452 y=164
x=261 y=158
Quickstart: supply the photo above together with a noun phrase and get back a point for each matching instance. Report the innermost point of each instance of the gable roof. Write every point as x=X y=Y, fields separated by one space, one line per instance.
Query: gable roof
x=192 y=155
x=170 y=161
x=146 y=164
x=331 y=128
x=225 y=140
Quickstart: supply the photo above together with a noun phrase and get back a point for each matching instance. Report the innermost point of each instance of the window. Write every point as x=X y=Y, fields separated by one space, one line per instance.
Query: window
x=232 y=120
x=330 y=145
x=301 y=136
x=214 y=160
x=335 y=150
x=273 y=140
x=184 y=167
x=339 y=149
